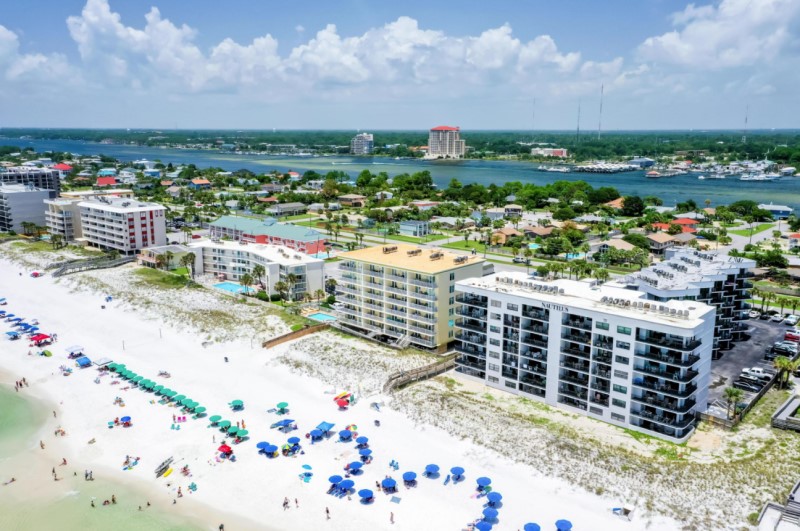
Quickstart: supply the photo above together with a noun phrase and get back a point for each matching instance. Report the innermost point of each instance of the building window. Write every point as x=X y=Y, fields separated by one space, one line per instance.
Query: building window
x=620 y=389
x=618 y=403
x=452 y=276
x=511 y=385
x=493 y=379
x=495 y=316
x=601 y=325
x=494 y=354
x=624 y=330
x=451 y=311
x=452 y=300
x=494 y=367
x=494 y=342
x=596 y=410
x=452 y=289
x=495 y=329
x=620 y=374
x=512 y=307
x=450 y=334
x=496 y=304
x=622 y=359
x=618 y=417
x=623 y=345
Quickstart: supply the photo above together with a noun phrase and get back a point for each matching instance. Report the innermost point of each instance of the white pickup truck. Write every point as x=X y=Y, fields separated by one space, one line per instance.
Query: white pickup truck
x=757 y=372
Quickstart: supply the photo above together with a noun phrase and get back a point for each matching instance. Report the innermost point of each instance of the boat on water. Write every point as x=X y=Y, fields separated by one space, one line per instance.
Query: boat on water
x=711 y=176
x=761 y=177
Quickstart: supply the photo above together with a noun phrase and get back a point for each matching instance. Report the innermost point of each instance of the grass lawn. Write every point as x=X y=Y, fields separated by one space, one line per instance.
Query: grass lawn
x=299 y=217
x=413 y=239
x=756 y=229
x=160 y=279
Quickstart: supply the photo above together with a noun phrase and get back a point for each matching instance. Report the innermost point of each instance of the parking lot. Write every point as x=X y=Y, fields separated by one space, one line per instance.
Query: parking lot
x=744 y=354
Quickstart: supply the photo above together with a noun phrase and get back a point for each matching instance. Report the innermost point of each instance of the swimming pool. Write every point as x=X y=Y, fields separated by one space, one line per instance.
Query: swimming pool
x=573 y=256
x=319 y=316
x=232 y=287
x=533 y=246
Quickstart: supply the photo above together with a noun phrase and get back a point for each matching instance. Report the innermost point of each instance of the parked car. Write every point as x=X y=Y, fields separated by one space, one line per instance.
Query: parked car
x=754 y=314
x=745 y=386
x=756 y=373
x=519 y=260
x=791 y=320
x=764 y=316
x=777 y=318
x=792 y=335
x=788 y=346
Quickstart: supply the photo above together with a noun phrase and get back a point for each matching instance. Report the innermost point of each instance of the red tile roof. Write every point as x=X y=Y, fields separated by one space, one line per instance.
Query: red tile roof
x=445 y=128
x=201 y=181
x=62 y=167
x=795 y=236
x=106 y=181
x=685 y=221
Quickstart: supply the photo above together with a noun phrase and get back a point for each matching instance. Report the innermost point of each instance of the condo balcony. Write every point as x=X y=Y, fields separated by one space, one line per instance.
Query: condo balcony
x=665 y=388
x=600 y=385
x=477 y=339
x=471 y=350
x=575 y=322
x=423 y=283
x=572 y=402
x=534 y=380
x=570 y=363
x=576 y=350
x=471 y=371
x=573 y=336
x=533 y=354
x=572 y=391
x=674 y=358
x=665 y=419
x=531 y=390
x=599 y=398
x=512 y=322
x=661 y=340
x=674 y=405
x=535 y=368
x=601 y=356
x=472 y=325
x=573 y=377
x=466 y=311
x=534 y=340
x=509 y=373
x=539 y=315
x=674 y=375
x=473 y=300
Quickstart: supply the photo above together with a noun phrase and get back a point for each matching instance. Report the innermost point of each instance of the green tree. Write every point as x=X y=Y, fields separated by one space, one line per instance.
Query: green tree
x=632 y=206
x=282 y=288
x=258 y=272
x=187 y=261
x=246 y=280
x=169 y=255
x=319 y=294
x=330 y=285
x=784 y=366
x=732 y=397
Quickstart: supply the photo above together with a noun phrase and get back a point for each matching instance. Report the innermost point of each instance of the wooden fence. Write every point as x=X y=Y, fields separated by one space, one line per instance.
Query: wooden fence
x=294 y=335
x=402 y=378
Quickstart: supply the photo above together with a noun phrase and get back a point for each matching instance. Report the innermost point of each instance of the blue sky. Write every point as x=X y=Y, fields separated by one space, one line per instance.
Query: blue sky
x=410 y=65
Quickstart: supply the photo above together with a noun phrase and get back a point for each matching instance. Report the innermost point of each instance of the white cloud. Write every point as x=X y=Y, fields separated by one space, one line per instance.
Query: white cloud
x=19 y=67
x=300 y=28
x=734 y=33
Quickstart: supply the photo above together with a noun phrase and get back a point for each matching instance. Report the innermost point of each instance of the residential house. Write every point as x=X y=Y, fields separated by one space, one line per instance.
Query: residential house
x=659 y=242
x=615 y=243
x=352 y=200
x=684 y=238
x=105 y=181
x=616 y=204
x=414 y=228
x=794 y=241
x=512 y=210
x=268 y=231
x=287 y=209
x=501 y=236
x=200 y=184
x=534 y=231
x=777 y=211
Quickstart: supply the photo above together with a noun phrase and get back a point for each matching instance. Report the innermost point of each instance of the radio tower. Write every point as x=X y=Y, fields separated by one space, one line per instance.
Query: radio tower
x=600 y=120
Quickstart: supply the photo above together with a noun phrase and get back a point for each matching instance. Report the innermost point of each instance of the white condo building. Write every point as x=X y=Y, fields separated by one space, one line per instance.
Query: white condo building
x=231 y=260
x=21 y=203
x=122 y=224
x=445 y=142
x=63 y=215
x=362 y=144
x=601 y=351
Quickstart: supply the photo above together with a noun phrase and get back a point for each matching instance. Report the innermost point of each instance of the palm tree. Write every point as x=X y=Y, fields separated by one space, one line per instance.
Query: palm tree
x=527 y=253
x=585 y=248
x=246 y=280
x=732 y=397
x=57 y=241
x=291 y=280
x=750 y=220
x=784 y=366
x=27 y=227
x=601 y=274
x=755 y=293
x=187 y=231
x=161 y=260
x=168 y=257
x=187 y=261
x=330 y=285
x=281 y=287
x=318 y=294
x=782 y=301
x=258 y=272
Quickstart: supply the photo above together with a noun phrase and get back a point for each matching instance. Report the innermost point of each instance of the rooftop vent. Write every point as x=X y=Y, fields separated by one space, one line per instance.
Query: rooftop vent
x=389 y=249
x=413 y=252
x=437 y=255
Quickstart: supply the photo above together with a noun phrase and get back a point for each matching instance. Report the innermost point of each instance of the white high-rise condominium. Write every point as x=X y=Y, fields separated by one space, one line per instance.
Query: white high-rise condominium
x=604 y=352
x=445 y=142
x=362 y=144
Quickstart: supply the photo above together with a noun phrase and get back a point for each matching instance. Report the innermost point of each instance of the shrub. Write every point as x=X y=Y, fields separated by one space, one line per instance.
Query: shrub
x=275 y=297
x=262 y=296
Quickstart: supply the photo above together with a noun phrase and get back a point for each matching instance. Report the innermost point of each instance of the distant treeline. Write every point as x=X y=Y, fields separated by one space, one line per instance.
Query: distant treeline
x=780 y=146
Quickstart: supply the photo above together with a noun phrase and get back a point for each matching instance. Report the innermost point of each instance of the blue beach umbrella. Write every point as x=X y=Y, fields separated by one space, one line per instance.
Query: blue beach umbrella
x=356 y=465
x=365 y=452
x=335 y=479
x=271 y=449
x=483 y=482
x=483 y=526
x=457 y=471
x=388 y=483
x=316 y=434
x=125 y=419
x=362 y=440
x=294 y=440
x=432 y=469
x=365 y=493
x=262 y=445
x=347 y=484
x=563 y=525
x=490 y=513
x=532 y=527
x=409 y=476
x=345 y=435
x=494 y=497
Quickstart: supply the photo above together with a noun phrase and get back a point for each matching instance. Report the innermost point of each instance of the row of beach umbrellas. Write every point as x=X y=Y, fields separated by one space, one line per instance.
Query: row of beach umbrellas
x=159 y=389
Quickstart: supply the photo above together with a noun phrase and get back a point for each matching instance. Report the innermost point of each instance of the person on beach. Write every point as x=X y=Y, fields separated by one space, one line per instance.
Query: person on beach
x=327 y=514
x=41 y=445
x=391 y=518
x=54 y=414
x=25 y=381
x=85 y=475
x=92 y=503
x=285 y=503
x=180 y=494
x=296 y=503
x=64 y=461
x=10 y=481
x=113 y=499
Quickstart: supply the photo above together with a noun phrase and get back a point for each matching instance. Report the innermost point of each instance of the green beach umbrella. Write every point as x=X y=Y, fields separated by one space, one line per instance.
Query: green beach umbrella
x=137 y=379
x=214 y=418
x=199 y=409
x=237 y=403
x=167 y=392
x=147 y=384
x=283 y=405
x=242 y=433
x=180 y=398
x=192 y=404
x=186 y=401
x=111 y=366
x=225 y=424
x=158 y=388
x=151 y=384
x=232 y=430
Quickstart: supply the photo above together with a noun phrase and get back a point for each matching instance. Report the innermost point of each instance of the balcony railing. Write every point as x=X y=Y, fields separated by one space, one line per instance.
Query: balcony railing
x=666 y=420
x=532 y=340
x=574 y=393
x=530 y=354
x=662 y=388
x=529 y=389
x=471 y=350
x=669 y=343
x=423 y=283
x=574 y=323
x=599 y=399
x=472 y=326
x=472 y=301
x=574 y=366
x=675 y=376
x=532 y=380
x=510 y=373
x=536 y=369
x=478 y=339
x=471 y=371
x=580 y=338
x=466 y=311
x=671 y=405
x=584 y=382
x=471 y=364
x=539 y=316
x=670 y=359
x=576 y=352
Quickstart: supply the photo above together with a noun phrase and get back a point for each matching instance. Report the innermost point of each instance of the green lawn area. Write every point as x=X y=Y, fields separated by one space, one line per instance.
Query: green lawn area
x=758 y=228
x=299 y=217
x=412 y=239
x=160 y=279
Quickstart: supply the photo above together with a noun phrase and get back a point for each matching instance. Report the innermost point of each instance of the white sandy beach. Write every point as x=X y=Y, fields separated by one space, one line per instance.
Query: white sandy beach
x=253 y=488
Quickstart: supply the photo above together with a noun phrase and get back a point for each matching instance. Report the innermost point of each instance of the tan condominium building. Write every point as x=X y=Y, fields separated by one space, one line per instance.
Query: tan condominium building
x=403 y=294
x=445 y=142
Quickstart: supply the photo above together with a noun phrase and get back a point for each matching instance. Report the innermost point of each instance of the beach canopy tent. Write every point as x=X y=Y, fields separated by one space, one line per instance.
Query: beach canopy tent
x=563 y=525
x=409 y=476
x=83 y=362
x=490 y=513
x=158 y=388
x=271 y=449
x=483 y=482
x=215 y=418
x=483 y=526
x=325 y=427
x=225 y=424
x=494 y=497
x=236 y=404
x=282 y=406
x=179 y=398
x=199 y=410
x=232 y=430
x=532 y=527
x=388 y=483
x=345 y=434
x=347 y=484
x=13 y=335
x=40 y=337
x=102 y=361
x=283 y=423
x=362 y=440
x=432 y=469
x=366 y=452
x=125 y=419
x=365 y=493
x=457 y=471
x=335 y=480
x=186 y=401
x=225 y=449
x=75 y=349
x=355 y=465
x=342 y=403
